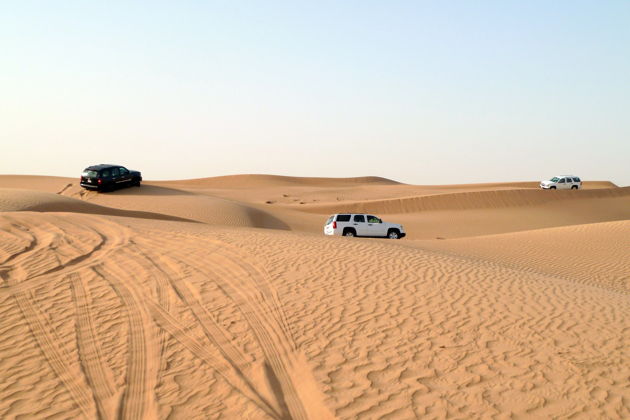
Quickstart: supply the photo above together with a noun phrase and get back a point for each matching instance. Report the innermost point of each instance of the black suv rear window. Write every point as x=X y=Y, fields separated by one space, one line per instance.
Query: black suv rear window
x=343 y=217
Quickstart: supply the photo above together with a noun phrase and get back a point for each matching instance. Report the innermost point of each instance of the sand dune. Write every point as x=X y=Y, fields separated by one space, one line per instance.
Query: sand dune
x=136 y=315
x=594 y=254
x=202 y=208
x=259 y=180
x=53 y=184
x=220 y=298
x=469 y=200
x=184 y=207
x=26 y=200
x=489 y=212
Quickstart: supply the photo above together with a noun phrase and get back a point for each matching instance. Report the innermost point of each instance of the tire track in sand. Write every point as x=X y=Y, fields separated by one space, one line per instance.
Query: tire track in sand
x=99 y=376
x=138 y=399
x=288 y=374
x=112 y=237
x=163 y=297
x=234 y=370
x=48 y=343
x=16 y=233
x=225 y=370
x=251 y=291
x=23 y=269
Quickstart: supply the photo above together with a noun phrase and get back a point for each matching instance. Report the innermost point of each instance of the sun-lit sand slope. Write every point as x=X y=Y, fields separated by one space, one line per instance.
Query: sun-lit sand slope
x=105 y=319
x=220 y=297
x=303 y=204
x=596 y=254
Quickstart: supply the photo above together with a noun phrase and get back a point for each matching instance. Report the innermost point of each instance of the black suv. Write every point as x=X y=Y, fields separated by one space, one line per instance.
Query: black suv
x=109 y=177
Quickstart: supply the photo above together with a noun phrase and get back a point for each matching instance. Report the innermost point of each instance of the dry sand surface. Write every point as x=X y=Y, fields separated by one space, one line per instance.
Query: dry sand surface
x=221 y=298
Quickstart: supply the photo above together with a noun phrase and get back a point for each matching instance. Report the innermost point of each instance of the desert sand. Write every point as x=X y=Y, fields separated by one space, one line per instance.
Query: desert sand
x=221 y=298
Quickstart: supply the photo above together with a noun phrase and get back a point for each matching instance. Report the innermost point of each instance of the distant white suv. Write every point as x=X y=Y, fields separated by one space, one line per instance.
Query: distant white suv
x=362 y=225
x=562 y=182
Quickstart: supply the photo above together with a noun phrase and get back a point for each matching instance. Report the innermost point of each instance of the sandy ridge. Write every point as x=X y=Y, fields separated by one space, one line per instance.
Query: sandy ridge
x=467 y=200
x=26 y=200
x=598 y=254
x=261 y=180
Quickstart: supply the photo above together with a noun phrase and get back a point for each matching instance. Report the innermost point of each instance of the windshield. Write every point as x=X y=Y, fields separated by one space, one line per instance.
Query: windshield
x=89 y=174
x=555 y=179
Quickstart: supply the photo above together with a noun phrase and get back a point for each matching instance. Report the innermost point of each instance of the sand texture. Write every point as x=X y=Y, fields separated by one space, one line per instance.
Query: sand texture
x=221 y=298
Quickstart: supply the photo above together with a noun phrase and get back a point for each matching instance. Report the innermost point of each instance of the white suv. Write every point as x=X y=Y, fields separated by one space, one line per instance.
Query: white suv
x=562 y=182
x=362 y=225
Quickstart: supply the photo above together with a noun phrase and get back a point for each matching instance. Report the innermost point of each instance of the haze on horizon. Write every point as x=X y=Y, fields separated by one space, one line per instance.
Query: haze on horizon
x=419 y=92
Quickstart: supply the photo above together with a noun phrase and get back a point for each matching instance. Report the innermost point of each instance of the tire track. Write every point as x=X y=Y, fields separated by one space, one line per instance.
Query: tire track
x=138 y=399
x=32 y=241
x=247 y=286
x=215 y=333
x=99 y=376
x=48 y=343
x=271 y=298
x=242 y=284
x=257 y=273
x=264 y=294
x=103 y=250
x=233 y=370
x=271 y=338
x=226 y=371
x=41 y=241
x=164 y=300
x=297 y=385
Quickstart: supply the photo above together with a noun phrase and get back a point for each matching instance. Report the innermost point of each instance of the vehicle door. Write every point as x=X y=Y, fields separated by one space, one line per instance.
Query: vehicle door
x=359 y=224
x=116 y=178
x=562 y=184
x=106 y=178
x=376 y=227
x=569 y=183
x=125 y=175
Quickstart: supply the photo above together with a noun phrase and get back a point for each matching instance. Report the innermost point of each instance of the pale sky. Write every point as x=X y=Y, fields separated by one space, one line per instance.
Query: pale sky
x=417 y=91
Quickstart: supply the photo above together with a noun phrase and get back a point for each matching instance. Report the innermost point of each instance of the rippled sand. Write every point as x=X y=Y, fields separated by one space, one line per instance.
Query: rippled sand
x=220 y=298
